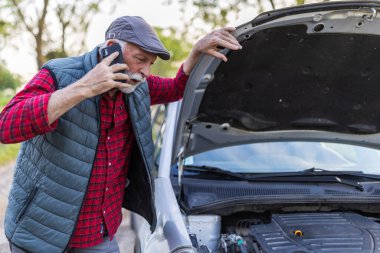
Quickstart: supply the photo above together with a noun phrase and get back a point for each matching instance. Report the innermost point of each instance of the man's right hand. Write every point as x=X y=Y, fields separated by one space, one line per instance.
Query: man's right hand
x=103 y=77
x=99 y=80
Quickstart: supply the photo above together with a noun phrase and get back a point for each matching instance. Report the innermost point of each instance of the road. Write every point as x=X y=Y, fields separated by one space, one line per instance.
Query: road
x=125 y=235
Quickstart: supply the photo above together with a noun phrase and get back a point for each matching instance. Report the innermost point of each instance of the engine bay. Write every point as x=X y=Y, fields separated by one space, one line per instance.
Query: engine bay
x=308 y=232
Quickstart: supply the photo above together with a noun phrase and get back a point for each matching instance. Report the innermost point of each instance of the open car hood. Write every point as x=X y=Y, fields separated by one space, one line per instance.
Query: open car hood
x=310 y=72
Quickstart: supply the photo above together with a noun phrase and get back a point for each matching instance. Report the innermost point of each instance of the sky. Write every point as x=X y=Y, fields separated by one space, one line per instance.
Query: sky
x=21 y=61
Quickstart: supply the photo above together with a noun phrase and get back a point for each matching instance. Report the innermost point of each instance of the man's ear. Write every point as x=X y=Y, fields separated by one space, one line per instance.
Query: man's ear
x=110 y=42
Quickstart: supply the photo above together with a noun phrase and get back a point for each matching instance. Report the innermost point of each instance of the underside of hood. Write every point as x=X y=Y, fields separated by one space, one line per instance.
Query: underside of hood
x=310 y=74
x=286 y=79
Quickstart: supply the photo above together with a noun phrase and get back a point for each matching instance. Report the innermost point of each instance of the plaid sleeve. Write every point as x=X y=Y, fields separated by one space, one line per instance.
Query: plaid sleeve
x=165 y=90
x=25 y=116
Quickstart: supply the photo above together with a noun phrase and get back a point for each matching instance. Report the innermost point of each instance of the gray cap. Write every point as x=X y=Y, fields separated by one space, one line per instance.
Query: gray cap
x=136 y=30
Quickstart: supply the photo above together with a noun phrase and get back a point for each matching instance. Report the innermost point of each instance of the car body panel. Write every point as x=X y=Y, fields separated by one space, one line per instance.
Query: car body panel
x=170 y=223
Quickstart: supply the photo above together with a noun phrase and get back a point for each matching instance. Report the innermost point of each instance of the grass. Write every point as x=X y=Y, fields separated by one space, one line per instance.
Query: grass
x=8 y=152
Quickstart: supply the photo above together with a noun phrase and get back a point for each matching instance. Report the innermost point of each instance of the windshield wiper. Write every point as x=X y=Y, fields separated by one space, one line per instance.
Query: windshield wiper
x=309 y=175
x=216 y=170
x=317 y=171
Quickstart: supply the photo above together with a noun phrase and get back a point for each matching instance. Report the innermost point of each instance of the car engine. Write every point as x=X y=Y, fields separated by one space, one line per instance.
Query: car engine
x=286 y=233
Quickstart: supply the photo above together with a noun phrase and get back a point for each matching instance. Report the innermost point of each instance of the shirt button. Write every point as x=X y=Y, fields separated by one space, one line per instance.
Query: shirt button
x=108 y=138
x=107 y=189
x=104 y=212
x=109 y=164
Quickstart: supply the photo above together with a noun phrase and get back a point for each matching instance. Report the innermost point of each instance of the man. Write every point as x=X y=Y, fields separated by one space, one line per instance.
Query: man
x=87 y=147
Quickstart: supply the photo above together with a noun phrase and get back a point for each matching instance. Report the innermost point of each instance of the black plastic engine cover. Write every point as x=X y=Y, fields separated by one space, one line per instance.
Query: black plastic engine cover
x=321 y=232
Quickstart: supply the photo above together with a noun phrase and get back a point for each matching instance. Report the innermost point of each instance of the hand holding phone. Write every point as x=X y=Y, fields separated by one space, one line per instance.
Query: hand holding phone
x=107 y=51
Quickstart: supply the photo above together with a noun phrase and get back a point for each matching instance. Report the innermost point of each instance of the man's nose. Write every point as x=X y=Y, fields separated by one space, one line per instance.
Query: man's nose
x=145 y=70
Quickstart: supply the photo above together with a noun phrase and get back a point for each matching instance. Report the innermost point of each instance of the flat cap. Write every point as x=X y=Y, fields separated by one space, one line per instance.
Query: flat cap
x=136 y=30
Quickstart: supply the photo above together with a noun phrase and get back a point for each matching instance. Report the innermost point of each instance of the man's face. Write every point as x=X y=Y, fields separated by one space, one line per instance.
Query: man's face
x=138 y=61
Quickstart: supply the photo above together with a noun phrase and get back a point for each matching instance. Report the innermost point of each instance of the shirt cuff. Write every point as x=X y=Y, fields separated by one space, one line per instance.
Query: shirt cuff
x=181 y=74
x=44 y=124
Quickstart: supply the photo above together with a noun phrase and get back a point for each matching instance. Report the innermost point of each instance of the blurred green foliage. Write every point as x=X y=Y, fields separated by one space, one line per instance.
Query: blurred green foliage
x=55 y=54
x=3 y=100
x=5 y=28
x=299 y=2
x=7 y=79
x=178 y=48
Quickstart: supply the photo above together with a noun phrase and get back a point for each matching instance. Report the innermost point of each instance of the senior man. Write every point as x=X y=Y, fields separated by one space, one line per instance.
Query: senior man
x=87 y=148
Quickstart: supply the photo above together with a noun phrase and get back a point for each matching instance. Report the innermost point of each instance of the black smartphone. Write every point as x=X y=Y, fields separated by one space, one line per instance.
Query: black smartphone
x=107 y=51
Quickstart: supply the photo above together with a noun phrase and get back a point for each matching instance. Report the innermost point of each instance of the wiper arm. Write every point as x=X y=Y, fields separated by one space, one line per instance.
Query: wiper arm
x=353 y=183
x=318 y=176
x=215 y=170
x=317 y=171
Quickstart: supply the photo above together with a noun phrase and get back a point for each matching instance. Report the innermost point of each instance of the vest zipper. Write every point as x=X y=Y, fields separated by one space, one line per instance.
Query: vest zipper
x=26 y=206
x=146 y=166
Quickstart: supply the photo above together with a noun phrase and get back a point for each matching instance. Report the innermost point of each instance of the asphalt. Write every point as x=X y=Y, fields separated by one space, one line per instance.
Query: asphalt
x=125 y=235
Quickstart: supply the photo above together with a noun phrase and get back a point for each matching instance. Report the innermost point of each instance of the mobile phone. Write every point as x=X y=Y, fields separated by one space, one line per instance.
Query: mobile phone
x=107 y=51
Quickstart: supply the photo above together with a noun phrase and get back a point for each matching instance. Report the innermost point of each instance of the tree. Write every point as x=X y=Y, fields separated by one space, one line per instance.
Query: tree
x=40 y=19
x=78 y=23
x=209 y=14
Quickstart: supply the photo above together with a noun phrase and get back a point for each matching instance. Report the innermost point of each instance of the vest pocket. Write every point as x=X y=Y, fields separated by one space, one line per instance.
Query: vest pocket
x=26 y=205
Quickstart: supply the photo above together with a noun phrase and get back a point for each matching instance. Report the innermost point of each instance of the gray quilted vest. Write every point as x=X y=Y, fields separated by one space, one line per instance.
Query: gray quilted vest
x=52 y=170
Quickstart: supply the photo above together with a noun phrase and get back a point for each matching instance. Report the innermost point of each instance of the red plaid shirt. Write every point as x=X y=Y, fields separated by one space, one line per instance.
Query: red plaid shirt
x=25 y=116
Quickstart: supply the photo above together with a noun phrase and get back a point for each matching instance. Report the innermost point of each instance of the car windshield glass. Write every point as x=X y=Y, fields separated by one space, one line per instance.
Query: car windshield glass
x=290 y=157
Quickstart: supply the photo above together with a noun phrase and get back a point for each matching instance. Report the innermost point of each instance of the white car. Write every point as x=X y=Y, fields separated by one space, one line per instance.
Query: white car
x=278 y=149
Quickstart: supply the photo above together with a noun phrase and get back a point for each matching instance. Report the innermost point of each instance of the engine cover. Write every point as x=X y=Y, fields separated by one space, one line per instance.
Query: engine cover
x=317 y=233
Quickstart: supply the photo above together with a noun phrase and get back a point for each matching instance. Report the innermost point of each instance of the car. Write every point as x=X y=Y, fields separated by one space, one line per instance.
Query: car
x=277 y=149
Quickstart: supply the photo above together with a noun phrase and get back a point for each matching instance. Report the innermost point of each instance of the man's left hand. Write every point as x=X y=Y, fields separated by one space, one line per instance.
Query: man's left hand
x=211 y=44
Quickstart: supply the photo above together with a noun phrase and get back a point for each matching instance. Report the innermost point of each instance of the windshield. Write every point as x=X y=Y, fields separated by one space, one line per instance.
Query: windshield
x=290 y=157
